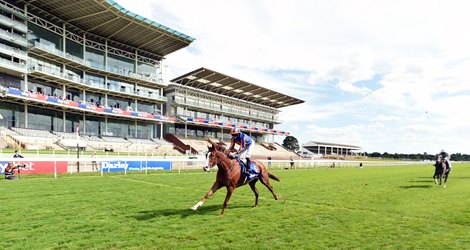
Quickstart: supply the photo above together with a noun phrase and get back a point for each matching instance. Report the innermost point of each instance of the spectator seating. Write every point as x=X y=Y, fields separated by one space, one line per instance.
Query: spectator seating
x=41 y=139
x=34 y=139
x=200 y=145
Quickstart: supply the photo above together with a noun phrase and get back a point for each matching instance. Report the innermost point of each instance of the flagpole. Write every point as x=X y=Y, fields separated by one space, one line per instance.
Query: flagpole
x=78 y=148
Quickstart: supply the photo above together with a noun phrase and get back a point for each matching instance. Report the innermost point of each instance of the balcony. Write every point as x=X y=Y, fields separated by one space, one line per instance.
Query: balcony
x=12 y=66
x=77 y=62
x=68 y=78
x=8 y=22
x=12 y=9
x=13 y=38
x=14 y=52
x=228 y=111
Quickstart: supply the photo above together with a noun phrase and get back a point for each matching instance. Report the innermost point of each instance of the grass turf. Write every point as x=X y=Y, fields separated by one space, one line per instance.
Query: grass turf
x=344 y=208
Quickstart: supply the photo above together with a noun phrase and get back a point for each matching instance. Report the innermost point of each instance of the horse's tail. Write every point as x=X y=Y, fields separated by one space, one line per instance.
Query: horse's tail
x=273 y=177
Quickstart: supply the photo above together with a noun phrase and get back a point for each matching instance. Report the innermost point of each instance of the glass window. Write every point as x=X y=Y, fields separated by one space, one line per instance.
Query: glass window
x=46 y=37
x=74 y=49
x=13 y=115
x=45 y=119
x=94 y=58
x=120 y=65
x=94 y=125
x=94 y=80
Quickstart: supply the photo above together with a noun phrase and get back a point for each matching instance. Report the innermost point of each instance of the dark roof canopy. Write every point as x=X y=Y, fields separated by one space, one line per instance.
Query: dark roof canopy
x=107 y=19
x=209 y=80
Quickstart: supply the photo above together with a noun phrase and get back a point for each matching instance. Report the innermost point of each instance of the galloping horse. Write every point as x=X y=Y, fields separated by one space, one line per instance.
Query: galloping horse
x=441 y=171
x=229 y=175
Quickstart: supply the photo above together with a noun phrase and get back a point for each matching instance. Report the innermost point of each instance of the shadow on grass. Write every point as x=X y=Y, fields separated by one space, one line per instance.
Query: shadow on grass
x=421 y=181
x=183 y=213
x=416 y=186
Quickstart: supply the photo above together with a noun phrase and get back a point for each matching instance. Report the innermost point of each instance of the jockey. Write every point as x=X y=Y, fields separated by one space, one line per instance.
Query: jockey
x=246 y=146
x=445 y=157
x=444 y=154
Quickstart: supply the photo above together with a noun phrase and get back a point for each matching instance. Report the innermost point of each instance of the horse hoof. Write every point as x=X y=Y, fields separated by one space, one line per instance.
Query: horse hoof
x=278 y=197
x=194 y=208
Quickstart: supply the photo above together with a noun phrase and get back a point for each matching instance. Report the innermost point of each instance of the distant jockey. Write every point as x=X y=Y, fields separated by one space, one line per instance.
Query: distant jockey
x=246 y=146
x=445 y=157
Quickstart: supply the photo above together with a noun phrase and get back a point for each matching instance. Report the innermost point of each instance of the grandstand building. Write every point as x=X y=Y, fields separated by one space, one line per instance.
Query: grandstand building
x=210 y=103
x=328 y=148
x=92 y=67
x=87 y=65
x=207 y=103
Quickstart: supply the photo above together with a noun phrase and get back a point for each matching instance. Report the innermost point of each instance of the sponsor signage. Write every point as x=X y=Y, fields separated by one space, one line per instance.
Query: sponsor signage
x=121 y=166
x=17 y=92
x=37 y=167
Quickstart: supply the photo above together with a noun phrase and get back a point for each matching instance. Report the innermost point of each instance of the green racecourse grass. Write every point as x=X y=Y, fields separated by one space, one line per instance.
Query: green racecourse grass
x=342 y=208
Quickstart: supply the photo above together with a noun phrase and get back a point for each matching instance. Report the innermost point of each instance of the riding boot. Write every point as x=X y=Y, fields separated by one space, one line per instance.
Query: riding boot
x=248 y=163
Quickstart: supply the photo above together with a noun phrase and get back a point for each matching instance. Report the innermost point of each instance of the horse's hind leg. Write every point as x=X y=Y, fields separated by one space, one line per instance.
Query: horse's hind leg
x=255 y=190
x=265 y=180
x=214 y=188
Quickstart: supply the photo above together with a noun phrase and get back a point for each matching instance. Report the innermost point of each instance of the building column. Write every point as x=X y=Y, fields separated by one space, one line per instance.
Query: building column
x=25 y=116
x=106 y=55
x=25 y=83
x=64 y=41
x=84 y=124
x=135 y=132
x=84 y=47
x=64 y=121
x=64 y=91
x=106 y=125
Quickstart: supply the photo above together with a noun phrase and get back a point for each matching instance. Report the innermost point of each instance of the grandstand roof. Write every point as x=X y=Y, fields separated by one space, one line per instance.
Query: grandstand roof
x=215 y=82
x=107 y=19
x=328 y=144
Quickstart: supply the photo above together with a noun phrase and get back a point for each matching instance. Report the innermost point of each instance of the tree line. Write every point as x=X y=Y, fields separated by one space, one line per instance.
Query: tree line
x=291 y=143
x=417 y=157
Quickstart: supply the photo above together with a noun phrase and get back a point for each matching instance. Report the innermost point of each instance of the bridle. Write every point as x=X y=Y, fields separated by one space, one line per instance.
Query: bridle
x=220 y=161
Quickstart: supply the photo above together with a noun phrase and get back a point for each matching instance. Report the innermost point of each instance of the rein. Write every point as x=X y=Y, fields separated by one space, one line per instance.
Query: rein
x=222 y=159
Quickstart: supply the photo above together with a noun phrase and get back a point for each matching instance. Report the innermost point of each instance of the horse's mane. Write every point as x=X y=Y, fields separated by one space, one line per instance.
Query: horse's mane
x=220 y=146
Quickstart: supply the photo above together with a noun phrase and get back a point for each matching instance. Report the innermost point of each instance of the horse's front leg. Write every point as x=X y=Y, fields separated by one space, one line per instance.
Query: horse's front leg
x=227 y=198
x=214 y=188
x=445 y=179
x=443 y=172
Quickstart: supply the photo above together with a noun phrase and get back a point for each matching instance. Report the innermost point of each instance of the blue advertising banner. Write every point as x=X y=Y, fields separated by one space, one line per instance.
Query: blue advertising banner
x=120 y=166
x=3 y=165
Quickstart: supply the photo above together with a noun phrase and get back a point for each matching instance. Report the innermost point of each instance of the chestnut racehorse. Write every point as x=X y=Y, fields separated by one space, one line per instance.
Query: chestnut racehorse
x=229 y=175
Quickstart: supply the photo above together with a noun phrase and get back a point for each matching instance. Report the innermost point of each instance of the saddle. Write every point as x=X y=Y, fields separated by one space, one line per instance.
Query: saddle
x=253 y=172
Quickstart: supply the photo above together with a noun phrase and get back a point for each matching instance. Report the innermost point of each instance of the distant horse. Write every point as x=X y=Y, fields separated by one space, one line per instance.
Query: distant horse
x=229 y=175
x=441 y=171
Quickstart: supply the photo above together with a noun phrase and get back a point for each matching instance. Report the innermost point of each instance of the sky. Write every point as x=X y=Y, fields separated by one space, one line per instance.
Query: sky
x=387 y=76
